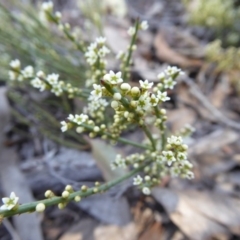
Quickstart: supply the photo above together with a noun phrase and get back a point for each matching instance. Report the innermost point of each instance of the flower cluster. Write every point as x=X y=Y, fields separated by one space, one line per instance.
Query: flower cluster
x=168 y=76
x=46 y=13
x=95 y=57
x=16 y=74
x=172 y=161
x=41 y=81
x=187 y=130
x=133 y=30
x=132 y=105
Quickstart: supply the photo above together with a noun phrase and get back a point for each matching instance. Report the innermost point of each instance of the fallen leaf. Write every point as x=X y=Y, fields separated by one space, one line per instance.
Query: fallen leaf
x=111 y=232
x=104 y=154
x=106 y=208
x=200 y=215
x=213 y=141
x=220 y=92
x=166 y=53
x=178 y=118
x=71 y=236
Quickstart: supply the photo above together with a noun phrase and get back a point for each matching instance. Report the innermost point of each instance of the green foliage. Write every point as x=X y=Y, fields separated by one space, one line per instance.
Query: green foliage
x=227 y=60
x=24 y=36
x=215 y=13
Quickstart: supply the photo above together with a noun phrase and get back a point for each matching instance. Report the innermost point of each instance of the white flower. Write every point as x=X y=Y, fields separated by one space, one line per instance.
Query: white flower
x=189 y=175
x=143 y=103
x=175 y=171
x=91 y=57
x=97 y=92
x=161 y=76
x=57 y=89
x=71 y=118
x=27 y=72
x=47 y=6
x=92 y=47
x=190 y=128
x=181 y=156
x=162 y=96
x=100 y=40
x=175 y=140
x=120 y=161
x=15 y=64
x=146 y=191
x=12 y=75
x=103 y=102
x=52 y=78
x=64 y=126
x=113 y=78
x=137 y=180
x=120 y=54
x=169 y=157
x=131 y=31
x=9 y=203
x=145 y=84
x=36 y=82
x=173 y=71
x=153 y=100
x=144 y=25
x=169 y=83
x=79 y=119
x=103 y=51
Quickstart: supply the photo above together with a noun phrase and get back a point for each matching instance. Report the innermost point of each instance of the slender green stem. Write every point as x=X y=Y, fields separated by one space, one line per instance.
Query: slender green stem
x=67 y=34
x=124 y=140
x=30 y=207
x=133 y=40
x=120 y=139
x=162 y=129
x=149 y=135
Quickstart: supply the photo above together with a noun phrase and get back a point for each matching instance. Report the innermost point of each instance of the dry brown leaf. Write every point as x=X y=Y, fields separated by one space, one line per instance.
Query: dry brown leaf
x=104 y=155
x=128 y=232
x=71 y=236
x=178 y=118
x=213 y=141
x=154 y=232
x=220 y=92
x=201 y=215
x=116 y=38
x=166 y=53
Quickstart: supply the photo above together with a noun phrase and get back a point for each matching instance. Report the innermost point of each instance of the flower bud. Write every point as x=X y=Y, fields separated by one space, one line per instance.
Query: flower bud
x=135 y=91
x=125 y=87
x=163 y=111
x=77 y=199
x=65 y=194
x=69 y=188
x=40 y=207
x=96 y=129
x=114 y=104
x=117 y=96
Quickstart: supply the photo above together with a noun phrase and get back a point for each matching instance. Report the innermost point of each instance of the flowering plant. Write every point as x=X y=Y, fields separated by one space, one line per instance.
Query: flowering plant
x=109 y=93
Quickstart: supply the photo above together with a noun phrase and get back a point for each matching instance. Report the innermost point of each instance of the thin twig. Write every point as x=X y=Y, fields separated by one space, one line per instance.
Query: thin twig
x=218 y=115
